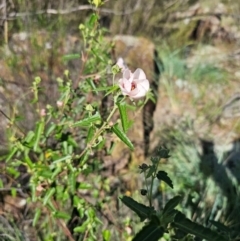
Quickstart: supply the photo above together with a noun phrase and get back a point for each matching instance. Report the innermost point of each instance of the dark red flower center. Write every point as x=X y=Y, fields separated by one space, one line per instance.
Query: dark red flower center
x=133 y=86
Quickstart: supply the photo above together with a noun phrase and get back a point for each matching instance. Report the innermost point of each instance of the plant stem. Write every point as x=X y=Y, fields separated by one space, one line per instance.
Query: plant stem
x=148 y=193
x=99 y=132
x=151 y=187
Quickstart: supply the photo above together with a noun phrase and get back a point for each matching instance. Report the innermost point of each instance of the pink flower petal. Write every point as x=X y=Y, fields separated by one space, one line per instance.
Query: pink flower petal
x=139 y=74
x=120 y=62
x=134 y=85
x=133 y=93
x=142 y=88
x=125 y=85
x=144 y=84
x=127 y=74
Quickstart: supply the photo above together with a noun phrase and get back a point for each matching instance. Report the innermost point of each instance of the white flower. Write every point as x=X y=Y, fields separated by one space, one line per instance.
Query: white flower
x=121 y=64
x=135 y=85
x=42 y=112
x=59 y=103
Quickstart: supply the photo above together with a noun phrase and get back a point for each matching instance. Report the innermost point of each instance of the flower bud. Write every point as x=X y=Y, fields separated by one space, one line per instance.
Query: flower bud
x=143 y=192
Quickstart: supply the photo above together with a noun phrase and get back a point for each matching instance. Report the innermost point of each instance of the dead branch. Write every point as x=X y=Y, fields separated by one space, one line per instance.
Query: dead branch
x=14 y=15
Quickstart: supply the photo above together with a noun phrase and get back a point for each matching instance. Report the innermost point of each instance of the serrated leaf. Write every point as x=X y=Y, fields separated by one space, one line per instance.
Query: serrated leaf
x=141 y=210
x=171 y=204
x=123 y=115
x=88 y=121
x=220 y=226
x=163 y=176
x=168 y=217
x=186 y=225
x=122 y=136
x=179 y=234
x=151 y=170
x=150 y=232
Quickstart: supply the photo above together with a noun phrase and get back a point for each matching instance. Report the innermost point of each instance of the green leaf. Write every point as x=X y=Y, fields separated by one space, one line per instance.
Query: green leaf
x=71 y=142
x=72 y=182
x=123 y=114
x=163 y=152
x=186 y=225
x=163 y=176
x=111 y=148
x=103 y=88
x=171 y=204
x=90 y=133
x=36 y=216
x=98 y=57
x=48 y=195
x=50 y=129
x=168 y=217
x=88 y=121
x=56 y=172
x=169 y=212
x=179 y=234
x=84 y=185
x=12 y=153
x=81 y=229
x=62 y=215
x=13 y=192
x=45 y=173
x=91 y=83
x=151 y=170
x=150 y=232
x=51 y=206
x=65 y=147
x=27 y=159
x=33 y=192
x=62 y=159
x=13 y=171
x=68 y=57
x=39 y=130
x=122 y=136
x=29 y=137
x=106 y=235
x=113 y=88
x=220 y=226
x=92 y=20
x=141 y=210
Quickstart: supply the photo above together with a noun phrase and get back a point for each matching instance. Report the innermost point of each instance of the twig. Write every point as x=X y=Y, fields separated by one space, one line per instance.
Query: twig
x=13 y=15
x=19 y=190
x=63 y=225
